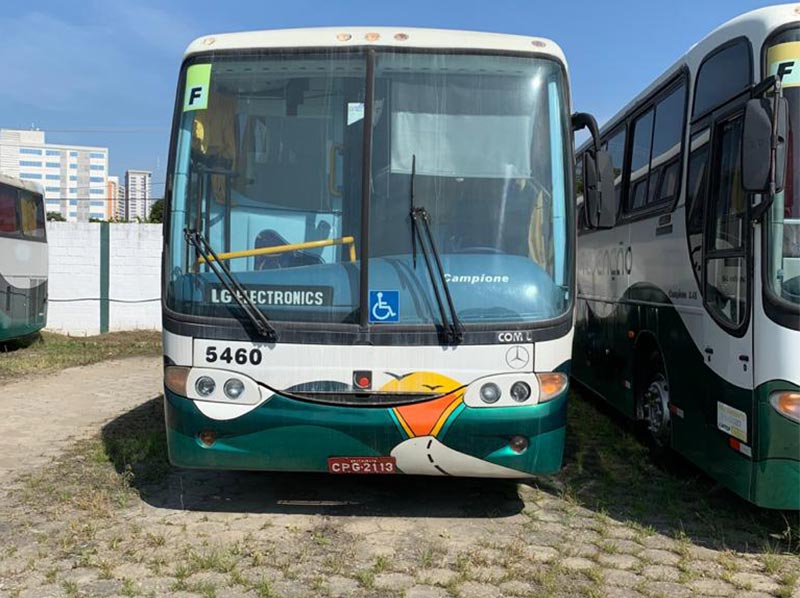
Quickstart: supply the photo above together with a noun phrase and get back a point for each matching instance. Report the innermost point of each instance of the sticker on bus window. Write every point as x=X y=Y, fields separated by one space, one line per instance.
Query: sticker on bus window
x=384 y=306
x=355 y=112
x=784 y=60
x=275 y=295
x=198 y=78
x=732 y=421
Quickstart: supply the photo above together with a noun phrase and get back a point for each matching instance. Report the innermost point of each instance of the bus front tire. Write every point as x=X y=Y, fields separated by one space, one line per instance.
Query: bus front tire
x=652 y=403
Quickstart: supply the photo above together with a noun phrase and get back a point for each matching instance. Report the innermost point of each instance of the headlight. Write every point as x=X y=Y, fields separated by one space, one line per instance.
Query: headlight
x=205 y=386
x=787 y=404
x=490 y=393
x=233 y=388
x=520 y=391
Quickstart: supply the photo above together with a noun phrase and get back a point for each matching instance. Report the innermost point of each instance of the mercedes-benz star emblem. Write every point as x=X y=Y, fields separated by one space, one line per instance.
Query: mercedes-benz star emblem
x=517 y=357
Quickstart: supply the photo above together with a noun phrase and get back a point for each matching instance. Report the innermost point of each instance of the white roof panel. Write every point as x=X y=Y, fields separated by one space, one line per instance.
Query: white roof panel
x=22 y=184
x=329 y=37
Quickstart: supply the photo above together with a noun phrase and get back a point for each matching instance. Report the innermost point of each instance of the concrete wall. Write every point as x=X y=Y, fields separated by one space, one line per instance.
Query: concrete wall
x=134 y=272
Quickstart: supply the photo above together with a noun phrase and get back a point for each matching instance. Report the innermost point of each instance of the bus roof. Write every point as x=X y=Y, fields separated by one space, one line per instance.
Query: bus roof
x=756 y=24
x=401 y=37
x=21 y=184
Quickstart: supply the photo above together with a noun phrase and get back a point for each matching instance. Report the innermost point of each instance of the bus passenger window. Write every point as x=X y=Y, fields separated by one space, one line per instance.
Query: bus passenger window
x=640 y=160
x=667 y=134
x=726 y=266
x=32 y=215
x=581 y=214
x=724 y=74
x=730 y=207
x=8 y=210
x=616 y=150
x=695 y=202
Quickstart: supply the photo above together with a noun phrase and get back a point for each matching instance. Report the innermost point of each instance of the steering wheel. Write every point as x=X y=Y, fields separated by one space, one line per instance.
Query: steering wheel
x=479 y=249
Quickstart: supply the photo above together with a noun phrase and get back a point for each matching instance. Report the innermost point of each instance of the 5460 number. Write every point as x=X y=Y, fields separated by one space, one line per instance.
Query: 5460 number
x=239 y=356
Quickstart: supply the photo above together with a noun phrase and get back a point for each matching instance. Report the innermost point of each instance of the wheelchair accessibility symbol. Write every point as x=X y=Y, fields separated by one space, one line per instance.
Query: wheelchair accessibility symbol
x=384 y=306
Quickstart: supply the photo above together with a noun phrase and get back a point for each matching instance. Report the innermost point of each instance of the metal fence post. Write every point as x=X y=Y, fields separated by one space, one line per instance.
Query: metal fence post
x=104 y=276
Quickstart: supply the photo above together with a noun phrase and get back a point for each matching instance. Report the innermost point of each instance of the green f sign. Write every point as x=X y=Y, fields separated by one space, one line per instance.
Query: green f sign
x=198 y=77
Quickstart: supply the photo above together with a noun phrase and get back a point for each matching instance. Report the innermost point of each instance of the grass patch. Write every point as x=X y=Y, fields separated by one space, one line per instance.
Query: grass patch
x=48 y=352
x=264 y=590
x=99 y=475
x=610 y=469
x=366 y=577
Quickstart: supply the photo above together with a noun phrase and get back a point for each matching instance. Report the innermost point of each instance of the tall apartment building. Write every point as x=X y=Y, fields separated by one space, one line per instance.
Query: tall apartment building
x=122 y=206
x=73 y=176
x=138 y=197
x=113 y=203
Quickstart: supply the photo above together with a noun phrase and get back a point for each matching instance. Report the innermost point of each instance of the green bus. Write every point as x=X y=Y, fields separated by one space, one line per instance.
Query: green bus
x=23 y=259
x=369 y=253
x=688 y=311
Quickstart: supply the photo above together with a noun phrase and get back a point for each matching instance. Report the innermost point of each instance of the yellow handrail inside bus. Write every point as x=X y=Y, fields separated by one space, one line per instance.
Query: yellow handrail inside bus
x=232 y=255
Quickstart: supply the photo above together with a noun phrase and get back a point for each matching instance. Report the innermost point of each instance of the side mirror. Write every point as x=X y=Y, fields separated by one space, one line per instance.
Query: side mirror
x=764 y=117
x=599 y=201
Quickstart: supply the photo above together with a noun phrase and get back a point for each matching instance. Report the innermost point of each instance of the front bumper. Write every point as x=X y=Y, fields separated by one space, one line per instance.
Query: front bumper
x=776 y=473
x=286 y=434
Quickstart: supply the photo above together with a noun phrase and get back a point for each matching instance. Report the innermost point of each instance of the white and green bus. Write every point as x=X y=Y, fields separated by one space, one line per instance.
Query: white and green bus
x=688 y=311
x=23 y=259
x=369 y=253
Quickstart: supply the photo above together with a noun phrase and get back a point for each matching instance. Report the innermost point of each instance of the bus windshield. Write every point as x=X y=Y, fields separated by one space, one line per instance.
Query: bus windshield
x=270 y=165
x=783 y=251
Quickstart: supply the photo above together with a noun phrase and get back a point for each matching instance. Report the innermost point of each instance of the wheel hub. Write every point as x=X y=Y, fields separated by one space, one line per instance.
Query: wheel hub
x=655 y=408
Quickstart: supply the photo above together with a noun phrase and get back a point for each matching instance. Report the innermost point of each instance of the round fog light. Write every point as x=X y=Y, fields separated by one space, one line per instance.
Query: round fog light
x=207 y=437
x=205 y=386
x=518 y=444
x=520 y=391
x=233 y=388
x=490 y=393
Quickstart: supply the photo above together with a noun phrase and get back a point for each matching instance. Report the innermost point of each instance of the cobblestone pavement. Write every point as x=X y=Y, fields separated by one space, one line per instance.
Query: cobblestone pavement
x=106 y=516
x=38 y=416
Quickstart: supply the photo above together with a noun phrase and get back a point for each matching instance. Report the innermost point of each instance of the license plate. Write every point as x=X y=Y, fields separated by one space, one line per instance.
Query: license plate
x=362 y=465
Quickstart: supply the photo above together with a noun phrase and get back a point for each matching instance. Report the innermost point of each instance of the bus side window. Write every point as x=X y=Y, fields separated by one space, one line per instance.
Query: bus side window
x=696 y=199
x=640 y=160
x=8 y=210
x=665 y=162
x=582 y=225
x=726 y=228
x=616 y=150
x=32 y=215
x=724 y=73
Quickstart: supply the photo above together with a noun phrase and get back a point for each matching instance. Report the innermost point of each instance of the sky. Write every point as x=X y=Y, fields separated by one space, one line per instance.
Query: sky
x=104 y=72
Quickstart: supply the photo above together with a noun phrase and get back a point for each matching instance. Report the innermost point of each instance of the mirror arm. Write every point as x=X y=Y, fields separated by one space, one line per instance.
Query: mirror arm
x=584 y=120
x=763 y=87
x=759 y=210
x=773 y=153
x=770 y=82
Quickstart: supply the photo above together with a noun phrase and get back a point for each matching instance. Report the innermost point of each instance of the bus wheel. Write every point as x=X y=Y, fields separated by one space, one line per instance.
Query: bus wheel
x=654 y=405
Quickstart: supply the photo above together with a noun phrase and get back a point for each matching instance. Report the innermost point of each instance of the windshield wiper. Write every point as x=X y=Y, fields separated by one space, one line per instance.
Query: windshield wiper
x=237 y=291
x=454 y=331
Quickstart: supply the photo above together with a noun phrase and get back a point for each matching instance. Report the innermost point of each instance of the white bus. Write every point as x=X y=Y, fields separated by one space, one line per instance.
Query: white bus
x=369 y=253
x=23 y=259
x=688 y=315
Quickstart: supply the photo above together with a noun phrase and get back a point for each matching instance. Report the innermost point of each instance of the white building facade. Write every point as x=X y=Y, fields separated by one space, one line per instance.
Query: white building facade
x=138 y=194
x=74 y=176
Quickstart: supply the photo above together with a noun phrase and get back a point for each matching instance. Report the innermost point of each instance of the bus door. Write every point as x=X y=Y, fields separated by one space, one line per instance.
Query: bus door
x=727 y=402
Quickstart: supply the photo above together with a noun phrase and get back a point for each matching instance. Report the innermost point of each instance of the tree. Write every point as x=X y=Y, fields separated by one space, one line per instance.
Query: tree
x=55 y=217
x=157 y=212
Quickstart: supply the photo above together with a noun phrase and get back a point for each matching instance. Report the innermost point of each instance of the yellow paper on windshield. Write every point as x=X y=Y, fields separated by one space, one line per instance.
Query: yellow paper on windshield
x=784 y=60
x=198 y=77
